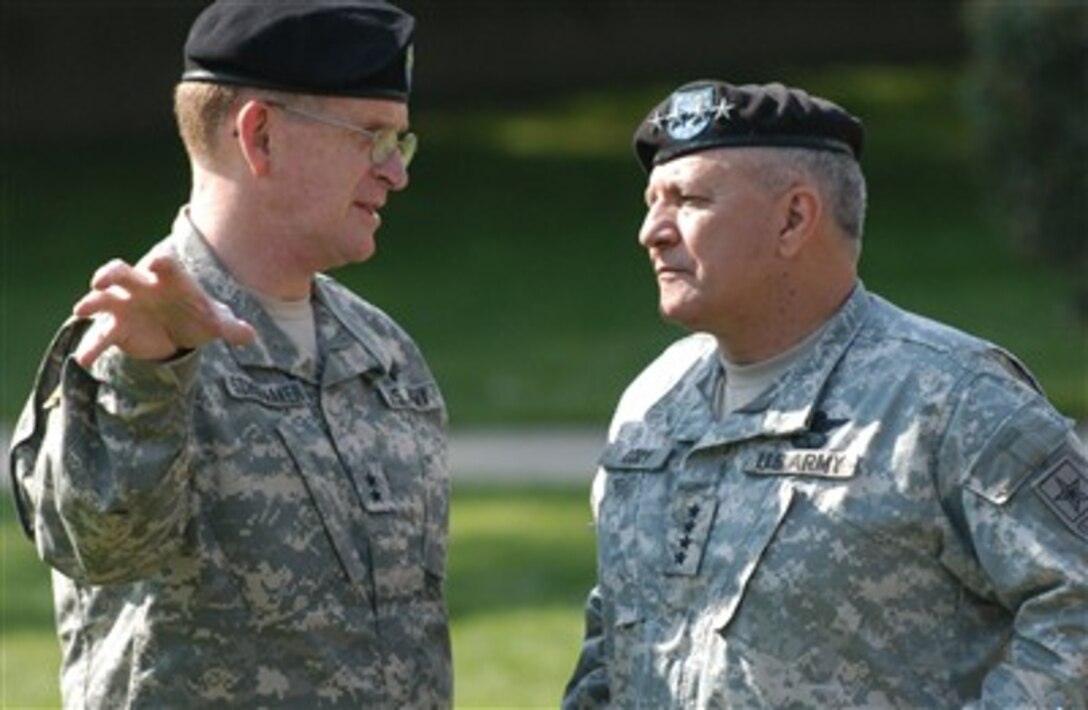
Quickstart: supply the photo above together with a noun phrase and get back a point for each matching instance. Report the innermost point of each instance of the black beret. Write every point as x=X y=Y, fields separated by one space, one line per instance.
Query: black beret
x=357 y=48
x=713 y=114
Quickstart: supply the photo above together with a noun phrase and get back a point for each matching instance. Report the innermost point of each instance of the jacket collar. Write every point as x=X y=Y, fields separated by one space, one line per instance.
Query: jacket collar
x=341 y=330
x=787 y=407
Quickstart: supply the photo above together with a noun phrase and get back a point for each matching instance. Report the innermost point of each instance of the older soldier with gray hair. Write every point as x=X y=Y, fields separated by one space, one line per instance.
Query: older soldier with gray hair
x=819 y=499
x=235 y=466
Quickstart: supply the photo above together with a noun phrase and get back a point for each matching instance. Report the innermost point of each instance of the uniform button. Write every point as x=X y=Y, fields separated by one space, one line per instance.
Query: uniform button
x=680 y=557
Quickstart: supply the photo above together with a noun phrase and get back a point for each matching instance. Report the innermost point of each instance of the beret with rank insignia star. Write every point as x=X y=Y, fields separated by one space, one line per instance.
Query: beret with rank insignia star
x=708 y=114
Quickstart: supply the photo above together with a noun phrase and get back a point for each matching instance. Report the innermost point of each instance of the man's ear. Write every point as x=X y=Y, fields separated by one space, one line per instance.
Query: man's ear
x=251 y=132
x=801 y=209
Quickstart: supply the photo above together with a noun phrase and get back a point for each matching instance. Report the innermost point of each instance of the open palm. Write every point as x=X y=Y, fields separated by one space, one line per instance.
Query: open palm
x=152 y=311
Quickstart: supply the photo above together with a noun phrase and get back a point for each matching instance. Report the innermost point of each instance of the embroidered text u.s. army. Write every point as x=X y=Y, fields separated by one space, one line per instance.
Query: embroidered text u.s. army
x=805 y=462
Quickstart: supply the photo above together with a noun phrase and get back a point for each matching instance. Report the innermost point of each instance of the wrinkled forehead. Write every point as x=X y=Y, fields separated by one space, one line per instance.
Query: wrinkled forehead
x=710 y=166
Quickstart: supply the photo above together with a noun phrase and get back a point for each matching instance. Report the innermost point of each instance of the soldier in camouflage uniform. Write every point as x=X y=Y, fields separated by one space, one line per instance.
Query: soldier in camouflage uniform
x=818 y=499
x=236 y=467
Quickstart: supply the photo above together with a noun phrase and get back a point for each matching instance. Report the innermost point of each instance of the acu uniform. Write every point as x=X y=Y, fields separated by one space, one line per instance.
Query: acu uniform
x=921 y=543
x=244 y=526
x=239 y=527
x=899 y=520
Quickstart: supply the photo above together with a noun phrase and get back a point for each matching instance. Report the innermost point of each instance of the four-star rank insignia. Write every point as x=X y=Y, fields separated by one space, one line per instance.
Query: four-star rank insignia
x=690 y=112
x=1065 y=490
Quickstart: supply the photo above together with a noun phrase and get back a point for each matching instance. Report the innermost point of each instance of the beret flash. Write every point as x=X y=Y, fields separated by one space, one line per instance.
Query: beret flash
x=353 y=48
x=713 y=114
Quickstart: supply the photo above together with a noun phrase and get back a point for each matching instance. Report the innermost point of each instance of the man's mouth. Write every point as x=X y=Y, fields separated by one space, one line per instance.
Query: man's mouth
x=666 y=270
x=370 y=208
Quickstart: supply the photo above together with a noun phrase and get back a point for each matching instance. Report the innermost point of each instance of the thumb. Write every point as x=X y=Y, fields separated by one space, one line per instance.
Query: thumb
x=231 y=328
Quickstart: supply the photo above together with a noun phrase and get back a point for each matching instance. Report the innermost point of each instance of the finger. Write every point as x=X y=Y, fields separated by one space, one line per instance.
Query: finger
x=191 y=303
x=96 y=302
x=106 y=270
x=101 y=335
x=119 y=273
x=168 y=271
x=156 y=252
x=231 y=328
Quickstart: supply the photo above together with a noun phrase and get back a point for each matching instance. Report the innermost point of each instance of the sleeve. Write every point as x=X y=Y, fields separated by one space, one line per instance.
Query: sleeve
x=588 y=687
x=1024 y=499
x=99 y=461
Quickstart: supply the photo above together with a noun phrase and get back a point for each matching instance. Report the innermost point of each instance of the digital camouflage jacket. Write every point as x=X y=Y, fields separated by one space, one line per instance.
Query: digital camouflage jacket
x=242 y=527
x=900 y=521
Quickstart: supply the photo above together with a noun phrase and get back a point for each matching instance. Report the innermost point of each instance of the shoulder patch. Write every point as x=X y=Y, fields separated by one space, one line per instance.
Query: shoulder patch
x=1064 y=488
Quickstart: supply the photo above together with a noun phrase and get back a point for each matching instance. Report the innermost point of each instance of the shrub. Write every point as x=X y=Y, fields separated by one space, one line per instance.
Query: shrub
x=1028 y=83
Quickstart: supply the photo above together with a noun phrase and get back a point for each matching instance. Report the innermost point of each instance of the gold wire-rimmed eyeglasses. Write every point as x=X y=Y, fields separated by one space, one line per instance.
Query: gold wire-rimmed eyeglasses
x=383 y=141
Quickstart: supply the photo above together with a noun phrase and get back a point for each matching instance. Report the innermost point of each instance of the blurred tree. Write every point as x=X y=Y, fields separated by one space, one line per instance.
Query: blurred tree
x=1028 y=82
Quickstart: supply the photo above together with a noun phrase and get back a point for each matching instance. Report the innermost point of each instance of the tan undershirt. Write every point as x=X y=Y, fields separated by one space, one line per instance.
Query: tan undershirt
x=743 y=383
x=296 y=320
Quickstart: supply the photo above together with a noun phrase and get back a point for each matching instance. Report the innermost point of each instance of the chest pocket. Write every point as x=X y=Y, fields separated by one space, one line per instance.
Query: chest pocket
x=623 y=457
x=634 y=477
x=274 y=501
x=394 y=452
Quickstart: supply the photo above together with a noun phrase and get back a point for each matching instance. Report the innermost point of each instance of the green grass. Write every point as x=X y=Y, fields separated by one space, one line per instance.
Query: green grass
x=521 y=562
x=29 y=653
x=513 y=260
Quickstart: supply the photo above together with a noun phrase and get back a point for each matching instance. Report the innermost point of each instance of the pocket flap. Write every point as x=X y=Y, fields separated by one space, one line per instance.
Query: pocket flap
x=624 y=456
x=333 y=506
x=627 y=616
x=770 y=517
x=1018 y=453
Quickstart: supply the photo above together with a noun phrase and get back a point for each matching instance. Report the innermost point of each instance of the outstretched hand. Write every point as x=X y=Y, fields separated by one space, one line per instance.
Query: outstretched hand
x=152 y=311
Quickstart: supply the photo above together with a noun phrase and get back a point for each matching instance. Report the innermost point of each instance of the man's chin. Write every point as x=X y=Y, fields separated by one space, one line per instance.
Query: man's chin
x=364 y=250
x=678 y=312
x=357 y=256
x=677 y=315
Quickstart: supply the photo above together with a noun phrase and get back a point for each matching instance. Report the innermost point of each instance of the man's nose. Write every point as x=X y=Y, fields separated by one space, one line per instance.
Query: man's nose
x=393 y=172
x=658 y=229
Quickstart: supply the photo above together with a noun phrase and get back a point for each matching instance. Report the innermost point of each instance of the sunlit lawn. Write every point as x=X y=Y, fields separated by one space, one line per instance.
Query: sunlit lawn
x=521 y=561
x=28 y=645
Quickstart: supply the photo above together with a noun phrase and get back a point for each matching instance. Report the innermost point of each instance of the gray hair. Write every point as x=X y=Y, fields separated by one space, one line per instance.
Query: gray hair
x=838 y=177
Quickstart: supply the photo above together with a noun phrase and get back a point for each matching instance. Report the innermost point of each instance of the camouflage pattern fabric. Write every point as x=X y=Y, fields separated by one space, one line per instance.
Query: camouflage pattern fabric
x=242 y=527
x=900 y=521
